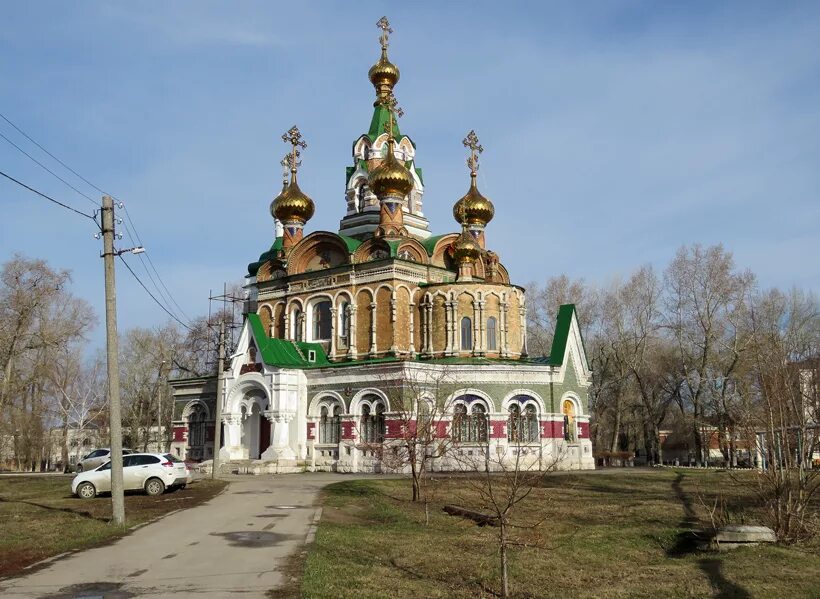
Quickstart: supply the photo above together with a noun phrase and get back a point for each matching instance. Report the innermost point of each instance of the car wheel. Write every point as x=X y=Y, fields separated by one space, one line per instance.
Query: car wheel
x=79 y=468
x=154 y=486
x=86 y=491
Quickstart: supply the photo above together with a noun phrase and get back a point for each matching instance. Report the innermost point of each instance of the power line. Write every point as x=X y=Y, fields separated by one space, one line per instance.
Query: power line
x=133 y=274
x=43 y=166
x=49 y=198
x=138 y=242
x=148 y=256
x=165 y=296
x=24 y=134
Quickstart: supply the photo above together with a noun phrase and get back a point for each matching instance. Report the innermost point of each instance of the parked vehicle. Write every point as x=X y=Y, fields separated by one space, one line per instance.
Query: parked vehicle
x=151 y=472
x=97 y=458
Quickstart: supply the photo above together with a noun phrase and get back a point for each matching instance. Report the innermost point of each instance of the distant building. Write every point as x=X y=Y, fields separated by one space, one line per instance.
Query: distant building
x=337 y=323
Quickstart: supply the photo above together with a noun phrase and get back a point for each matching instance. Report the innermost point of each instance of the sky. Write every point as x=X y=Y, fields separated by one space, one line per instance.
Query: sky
x=614 y=132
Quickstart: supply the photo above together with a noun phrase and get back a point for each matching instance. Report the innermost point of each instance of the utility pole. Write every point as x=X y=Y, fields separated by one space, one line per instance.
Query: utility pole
x=160 y=431
x=220 y=364
x=112 y=346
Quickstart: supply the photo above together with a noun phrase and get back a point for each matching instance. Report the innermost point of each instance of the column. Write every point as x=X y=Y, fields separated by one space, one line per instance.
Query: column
x=522 y=312
x=280 y=448
x=287 y=325
x=351 y=335
x=333 y=312
x=448 y=317
x=373 y=329
x=394 y=349
x=233 y=436
x=502 y=329
x=412 y=348
x=428 y=327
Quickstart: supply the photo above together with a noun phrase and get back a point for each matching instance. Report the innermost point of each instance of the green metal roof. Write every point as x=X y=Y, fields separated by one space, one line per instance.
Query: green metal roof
x=559 y=340
x=380 y=118
x=430 y=243
x=351 y=242
x=282 y=353
x=253 y=267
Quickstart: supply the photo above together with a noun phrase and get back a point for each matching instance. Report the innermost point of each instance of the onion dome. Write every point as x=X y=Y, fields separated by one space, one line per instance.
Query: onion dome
x=473 y=208
x=383 y=75
x=292 y=205
x=391 y=178
x=466 y=249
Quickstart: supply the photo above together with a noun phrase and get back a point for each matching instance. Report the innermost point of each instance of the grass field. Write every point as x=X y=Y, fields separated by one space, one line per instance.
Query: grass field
x=610 y=534
x=39 y=517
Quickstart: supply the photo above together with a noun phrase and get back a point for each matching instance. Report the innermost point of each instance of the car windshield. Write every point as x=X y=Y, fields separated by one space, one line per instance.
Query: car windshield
x=172 y=458
x=106 y=466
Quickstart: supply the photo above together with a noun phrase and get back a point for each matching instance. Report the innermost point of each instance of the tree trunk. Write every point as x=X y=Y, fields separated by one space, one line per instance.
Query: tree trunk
x=656 y=435
x=505 y=587
x=616 y=426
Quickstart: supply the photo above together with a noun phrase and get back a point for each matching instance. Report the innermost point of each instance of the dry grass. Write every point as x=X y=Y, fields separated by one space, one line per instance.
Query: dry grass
x=39 y=517
x=611 y=534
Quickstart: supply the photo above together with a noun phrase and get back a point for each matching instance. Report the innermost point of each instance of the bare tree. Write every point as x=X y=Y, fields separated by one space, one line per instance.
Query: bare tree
x=785 y=348
x=39 y=317
x=501 y=480
x=417 y=425
x=705 y=296
x=80 y=399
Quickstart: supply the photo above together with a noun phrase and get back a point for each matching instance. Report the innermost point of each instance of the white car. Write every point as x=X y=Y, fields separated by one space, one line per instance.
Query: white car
x=97 y=458
x=152 y=472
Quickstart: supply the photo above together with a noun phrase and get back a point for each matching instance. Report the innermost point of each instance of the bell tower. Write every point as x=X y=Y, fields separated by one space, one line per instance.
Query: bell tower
x=362 y=215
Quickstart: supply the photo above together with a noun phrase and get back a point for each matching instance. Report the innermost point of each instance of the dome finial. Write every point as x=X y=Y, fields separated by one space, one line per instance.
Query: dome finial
x=474 y=209
x=384 y=74
x=292 y=207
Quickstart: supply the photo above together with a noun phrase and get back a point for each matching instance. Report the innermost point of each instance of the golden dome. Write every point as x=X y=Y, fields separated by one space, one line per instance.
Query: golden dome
x=292 y=204
x=473 y=208
x=466 y=249
x=383 y=75
x=391 y=178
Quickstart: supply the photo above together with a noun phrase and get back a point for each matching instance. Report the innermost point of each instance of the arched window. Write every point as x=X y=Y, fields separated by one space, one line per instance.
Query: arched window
x=344 y=322
x=491 y=340
x=296 y=323
x=372 y=423
x=466 y=333
x=522 y=427
x=196 y=427
x=570 y=433
x=321 y=321
x=470 y=427
x=330 y=425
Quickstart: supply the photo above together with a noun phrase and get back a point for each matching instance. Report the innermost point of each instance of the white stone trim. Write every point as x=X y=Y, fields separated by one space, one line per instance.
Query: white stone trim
x=534 y=397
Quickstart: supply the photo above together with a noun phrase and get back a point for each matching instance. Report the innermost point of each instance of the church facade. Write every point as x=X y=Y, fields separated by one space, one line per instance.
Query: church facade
x=349 y=335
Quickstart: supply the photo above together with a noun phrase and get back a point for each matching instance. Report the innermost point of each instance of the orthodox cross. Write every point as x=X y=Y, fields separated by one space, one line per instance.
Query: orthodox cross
x=471 y=141
x=384 y=25
x=395 y=111
x=294 y=137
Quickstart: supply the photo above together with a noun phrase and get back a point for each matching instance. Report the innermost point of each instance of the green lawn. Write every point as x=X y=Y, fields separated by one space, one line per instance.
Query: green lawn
x=612 y=534
x=39 y=517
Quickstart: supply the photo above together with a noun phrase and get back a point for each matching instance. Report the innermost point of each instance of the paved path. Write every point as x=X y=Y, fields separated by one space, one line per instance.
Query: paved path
x=234 y=544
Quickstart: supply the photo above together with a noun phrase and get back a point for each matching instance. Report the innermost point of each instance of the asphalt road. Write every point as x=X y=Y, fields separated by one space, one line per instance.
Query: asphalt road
x=236 y=543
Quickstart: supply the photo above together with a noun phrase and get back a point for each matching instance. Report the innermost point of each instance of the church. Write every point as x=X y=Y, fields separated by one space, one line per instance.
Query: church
x=344 y=330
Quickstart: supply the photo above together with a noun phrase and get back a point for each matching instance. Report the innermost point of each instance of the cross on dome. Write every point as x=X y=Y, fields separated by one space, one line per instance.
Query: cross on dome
x=395 y=111
x=471 y=141
x=384 y=25
x=294 y=137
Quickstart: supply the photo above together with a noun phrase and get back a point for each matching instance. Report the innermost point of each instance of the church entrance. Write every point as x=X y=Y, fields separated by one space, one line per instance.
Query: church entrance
x=251 y=431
